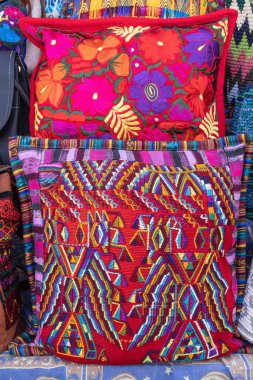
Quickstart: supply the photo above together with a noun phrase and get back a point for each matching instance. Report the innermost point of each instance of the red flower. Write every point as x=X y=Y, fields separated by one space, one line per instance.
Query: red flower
x=199 y=94
x=14 y=13
x=162 y=45
x=78 y=65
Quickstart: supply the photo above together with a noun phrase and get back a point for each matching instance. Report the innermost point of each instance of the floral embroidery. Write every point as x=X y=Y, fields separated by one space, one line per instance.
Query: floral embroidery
x=202 y=47
x=130 y=82
x=199 y=94
x=57 y=44
x=163 y=45
x=11 y=37
x=98 y=93
x=209 y=125
x=49 y=87
x=128 y=31
x=150 y=92
x=99 y=49
x=123 y=121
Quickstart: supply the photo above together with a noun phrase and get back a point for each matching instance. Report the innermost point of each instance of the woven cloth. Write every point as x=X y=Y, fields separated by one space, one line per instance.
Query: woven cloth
x=54 y=154
x=243 y=122
x=240 y=56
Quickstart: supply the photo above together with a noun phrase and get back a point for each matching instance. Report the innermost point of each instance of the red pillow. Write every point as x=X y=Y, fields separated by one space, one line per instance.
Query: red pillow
x=145 y=79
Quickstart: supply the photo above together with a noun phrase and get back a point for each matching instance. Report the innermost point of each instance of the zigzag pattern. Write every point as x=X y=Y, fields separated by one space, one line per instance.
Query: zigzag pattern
x=239 y=70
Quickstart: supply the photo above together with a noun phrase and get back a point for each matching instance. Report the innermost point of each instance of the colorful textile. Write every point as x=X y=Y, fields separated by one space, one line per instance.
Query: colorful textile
x=11 y=37
x=115 y=270
x=144 y=8
x=53 y=368
x=9 y=298
x=245 y=326
x=53 y=8
x=147 y=80
x=243 y=123
x=239 y=70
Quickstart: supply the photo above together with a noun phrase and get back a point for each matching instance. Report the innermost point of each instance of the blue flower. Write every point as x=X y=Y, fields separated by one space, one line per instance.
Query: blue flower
x=8 y=35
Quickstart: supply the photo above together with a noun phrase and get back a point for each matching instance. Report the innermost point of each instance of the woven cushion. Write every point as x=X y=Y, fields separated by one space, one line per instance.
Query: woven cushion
x=133 y=246
x=142 y=79
x=9 y=296
x=130 y=8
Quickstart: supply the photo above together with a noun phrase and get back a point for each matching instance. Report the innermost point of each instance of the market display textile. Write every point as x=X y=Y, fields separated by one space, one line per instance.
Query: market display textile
x=9 y=295
x=239 y=72
x=143 y=8
x=131 y=78
x=113 y=270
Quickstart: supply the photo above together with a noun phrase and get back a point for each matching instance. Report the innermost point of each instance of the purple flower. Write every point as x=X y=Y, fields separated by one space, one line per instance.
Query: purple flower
x=202 y=47
x=150 y=91
x=180 y=113
x=65 y=129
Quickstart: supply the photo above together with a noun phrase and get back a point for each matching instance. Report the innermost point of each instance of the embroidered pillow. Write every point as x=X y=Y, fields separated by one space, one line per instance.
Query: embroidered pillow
x=130 y=8
x=133 y=245
x=142 y=79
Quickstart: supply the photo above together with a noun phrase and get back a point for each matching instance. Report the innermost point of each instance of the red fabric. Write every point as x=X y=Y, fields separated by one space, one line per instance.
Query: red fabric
x=31 y=27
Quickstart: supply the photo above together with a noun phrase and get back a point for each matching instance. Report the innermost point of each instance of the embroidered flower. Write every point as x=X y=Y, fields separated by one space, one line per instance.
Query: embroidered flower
x=57 y=44
x=180 y=113
x=49 y=85
x=200 y=94
x=94 y=96
x=162 y=45
x=179 y=72
x=202 y=47
x=9 y=35
x=121 y=65
x=99 y=49
x=154 y=134
x=78 y=65
x=65 y=129
x=14 y=13
x=150 y=91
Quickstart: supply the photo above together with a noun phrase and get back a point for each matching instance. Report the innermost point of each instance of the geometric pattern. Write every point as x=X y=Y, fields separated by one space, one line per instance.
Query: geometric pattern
x=144 y=8
x=9 y=297
x=134 y=247
x=172 y=293
x=239 y=70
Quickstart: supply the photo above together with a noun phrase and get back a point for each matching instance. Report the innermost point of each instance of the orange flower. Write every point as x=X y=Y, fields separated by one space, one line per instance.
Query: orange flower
x=49 y=85
x=121 y=65
x=163 y=45
x=98 y=49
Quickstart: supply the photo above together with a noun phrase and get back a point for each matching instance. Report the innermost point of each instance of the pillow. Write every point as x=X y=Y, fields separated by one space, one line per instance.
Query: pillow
x=9 y=295
x=133 y=246
x=148 y=8
x=139 y=79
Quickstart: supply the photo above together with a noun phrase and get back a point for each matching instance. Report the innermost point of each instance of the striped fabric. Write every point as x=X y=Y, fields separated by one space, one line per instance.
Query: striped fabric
x=61 y=148
x=141 y=8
